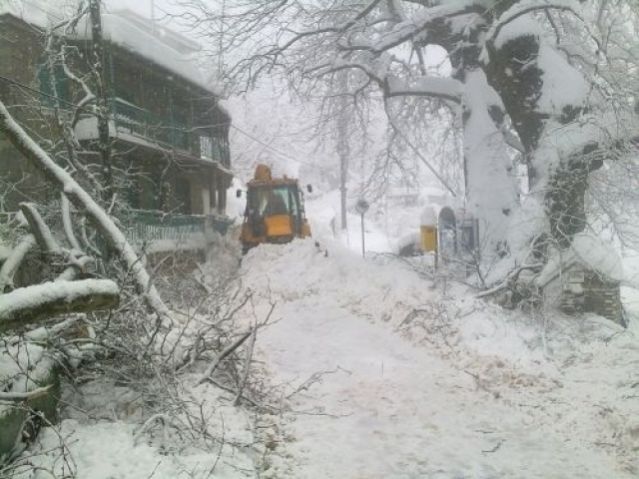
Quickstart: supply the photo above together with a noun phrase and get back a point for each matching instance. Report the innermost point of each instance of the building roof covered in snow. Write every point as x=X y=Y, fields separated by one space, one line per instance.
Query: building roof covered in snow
x=588 y=250
x=126 y=29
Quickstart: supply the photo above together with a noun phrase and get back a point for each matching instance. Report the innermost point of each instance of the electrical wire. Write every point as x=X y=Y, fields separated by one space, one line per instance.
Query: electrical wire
x=283 y=155
x=39 y=92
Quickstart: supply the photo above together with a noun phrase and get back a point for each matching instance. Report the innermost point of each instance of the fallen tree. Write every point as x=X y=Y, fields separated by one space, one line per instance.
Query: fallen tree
x=53 y=298
x=83 y=201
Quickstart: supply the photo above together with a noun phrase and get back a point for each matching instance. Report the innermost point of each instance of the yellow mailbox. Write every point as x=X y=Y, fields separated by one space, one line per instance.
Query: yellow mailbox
x=428 y=238
x=428 y=230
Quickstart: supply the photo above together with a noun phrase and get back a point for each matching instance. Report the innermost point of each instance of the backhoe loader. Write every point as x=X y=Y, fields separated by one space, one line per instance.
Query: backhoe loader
x=274 y=210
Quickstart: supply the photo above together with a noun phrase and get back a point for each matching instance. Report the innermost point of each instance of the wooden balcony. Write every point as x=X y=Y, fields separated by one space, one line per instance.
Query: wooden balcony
x=134 y=124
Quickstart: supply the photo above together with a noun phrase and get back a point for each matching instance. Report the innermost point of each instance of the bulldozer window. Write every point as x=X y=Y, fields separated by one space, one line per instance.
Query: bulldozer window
x=274 y=201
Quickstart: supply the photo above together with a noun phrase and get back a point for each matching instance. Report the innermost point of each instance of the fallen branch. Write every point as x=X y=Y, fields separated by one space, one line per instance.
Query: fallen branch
x=229 y=349
x=67 y=223
x=163 y=419
x=39 y=229
x=230 y=390
x=44 y=333
x=11 y=265
x=58 y=297
x=24 y=396
x=247 y=366
x=83 y=201
x=510 y=279
x=77 y=260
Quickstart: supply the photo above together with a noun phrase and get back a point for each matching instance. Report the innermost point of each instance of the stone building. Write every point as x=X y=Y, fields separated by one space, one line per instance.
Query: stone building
x=584 y=278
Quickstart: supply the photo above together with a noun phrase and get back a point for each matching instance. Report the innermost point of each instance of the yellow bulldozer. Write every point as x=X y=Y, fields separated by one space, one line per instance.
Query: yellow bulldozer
x=274 y=210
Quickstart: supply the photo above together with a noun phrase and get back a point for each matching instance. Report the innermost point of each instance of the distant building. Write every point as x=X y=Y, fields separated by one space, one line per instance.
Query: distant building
x=168 y=132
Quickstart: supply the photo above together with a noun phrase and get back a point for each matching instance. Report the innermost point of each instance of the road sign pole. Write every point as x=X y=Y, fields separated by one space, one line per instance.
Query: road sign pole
x=362 y=207
x=363 y=238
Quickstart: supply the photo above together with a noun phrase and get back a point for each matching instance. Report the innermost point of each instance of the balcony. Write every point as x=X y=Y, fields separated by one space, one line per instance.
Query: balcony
x=158 y=231
x=135 y=124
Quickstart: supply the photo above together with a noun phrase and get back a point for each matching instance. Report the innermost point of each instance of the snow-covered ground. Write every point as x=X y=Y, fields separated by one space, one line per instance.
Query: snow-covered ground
x=389 y=376
x=102 y=436
x=375 y=370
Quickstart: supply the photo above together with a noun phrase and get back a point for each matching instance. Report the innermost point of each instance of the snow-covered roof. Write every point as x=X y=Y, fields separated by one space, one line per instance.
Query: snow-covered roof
x=588 y=250
x=126 y=29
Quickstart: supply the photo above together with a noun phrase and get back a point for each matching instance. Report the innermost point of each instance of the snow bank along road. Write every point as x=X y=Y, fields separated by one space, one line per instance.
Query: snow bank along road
x=387 y=377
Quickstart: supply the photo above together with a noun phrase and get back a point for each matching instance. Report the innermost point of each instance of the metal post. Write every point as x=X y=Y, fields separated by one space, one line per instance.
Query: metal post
x=362 y=207
x=363 y=238
x=343 y=147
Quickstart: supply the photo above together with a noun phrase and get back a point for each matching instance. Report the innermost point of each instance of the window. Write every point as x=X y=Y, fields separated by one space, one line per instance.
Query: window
x=57 y=89
x=206 y=147
x=279 y=200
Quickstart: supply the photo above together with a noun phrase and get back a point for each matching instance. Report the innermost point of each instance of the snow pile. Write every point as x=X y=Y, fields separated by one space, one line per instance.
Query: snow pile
x=106 y=450
x=601 y=257
x=589 y=250
x=377 y=290
x=22 y=367
x=476 y=392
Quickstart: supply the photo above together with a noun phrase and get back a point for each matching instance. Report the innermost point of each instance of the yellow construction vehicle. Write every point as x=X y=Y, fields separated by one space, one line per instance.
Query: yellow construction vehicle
x=274 y=210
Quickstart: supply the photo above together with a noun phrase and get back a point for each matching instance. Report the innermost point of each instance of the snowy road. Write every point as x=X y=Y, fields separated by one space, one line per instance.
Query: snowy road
x=369 y=403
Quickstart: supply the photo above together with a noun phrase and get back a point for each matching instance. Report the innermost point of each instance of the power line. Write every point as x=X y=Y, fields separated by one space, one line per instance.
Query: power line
x=283 y=155
x=417 y=152
x=40 y=92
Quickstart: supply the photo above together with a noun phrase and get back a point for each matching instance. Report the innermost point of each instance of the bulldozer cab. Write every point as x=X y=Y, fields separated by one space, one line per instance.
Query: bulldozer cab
x=274 y=200
x=274 y=211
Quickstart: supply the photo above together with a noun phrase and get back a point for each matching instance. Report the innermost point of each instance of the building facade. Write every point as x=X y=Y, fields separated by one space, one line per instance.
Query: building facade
x=167 y=134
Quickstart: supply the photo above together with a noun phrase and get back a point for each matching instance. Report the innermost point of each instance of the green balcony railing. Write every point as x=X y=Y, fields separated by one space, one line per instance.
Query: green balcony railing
x=146 y=226
x=141 y=122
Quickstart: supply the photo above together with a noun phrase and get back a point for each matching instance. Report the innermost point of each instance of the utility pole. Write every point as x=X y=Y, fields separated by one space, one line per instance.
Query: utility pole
x=343 y=147
x=99 y=70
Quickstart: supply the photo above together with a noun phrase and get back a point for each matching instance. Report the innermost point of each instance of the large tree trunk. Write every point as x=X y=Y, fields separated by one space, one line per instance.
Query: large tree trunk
x=490 y=181
x=491 y=187
x=541 y=112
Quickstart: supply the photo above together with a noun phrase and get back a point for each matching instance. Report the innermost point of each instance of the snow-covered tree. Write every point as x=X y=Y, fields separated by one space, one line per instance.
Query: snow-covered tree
x=543 y=82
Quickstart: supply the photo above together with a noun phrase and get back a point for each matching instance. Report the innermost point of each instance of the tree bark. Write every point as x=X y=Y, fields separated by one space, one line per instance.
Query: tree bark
x=30 y=304
x=514 y=71
x=13 y=262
